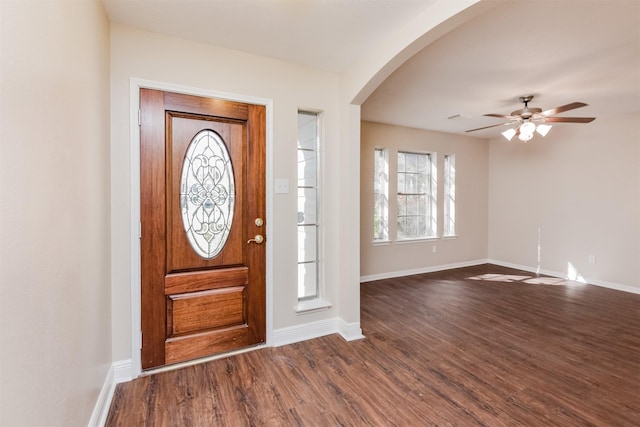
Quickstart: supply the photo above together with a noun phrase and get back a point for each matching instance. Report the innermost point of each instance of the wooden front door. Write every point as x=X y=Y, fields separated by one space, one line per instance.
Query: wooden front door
x=202 y=185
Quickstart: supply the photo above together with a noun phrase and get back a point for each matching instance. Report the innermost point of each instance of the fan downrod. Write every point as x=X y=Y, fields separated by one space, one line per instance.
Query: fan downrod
x=526 y=112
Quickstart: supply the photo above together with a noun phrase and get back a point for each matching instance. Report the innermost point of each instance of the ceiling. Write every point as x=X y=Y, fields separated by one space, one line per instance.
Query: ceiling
x=558 y=51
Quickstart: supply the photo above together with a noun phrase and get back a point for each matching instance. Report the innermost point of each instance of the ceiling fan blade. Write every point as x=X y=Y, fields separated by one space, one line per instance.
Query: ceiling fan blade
x=563 y=108
x=487 y=127
x=502 y=116
x=569 y=119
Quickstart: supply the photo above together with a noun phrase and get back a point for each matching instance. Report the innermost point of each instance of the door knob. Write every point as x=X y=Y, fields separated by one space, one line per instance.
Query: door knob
x=258 y=239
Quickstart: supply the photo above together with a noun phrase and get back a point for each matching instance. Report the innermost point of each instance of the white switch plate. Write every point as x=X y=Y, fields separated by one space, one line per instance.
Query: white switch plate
x=282 y=186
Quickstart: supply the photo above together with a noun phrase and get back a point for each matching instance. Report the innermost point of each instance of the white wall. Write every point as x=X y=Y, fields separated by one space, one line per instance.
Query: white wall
x=572 y=194
x=144 y=55
x=471 y=158
x=54 y=214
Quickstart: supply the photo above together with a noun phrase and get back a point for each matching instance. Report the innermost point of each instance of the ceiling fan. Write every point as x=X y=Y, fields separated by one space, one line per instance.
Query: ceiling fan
x=528 y=120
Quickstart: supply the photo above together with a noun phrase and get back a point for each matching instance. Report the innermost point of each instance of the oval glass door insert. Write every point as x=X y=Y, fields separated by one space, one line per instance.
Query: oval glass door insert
x=207 y=193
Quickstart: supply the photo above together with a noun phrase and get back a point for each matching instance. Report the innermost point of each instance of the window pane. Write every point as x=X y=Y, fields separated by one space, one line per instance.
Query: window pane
x=411 y=183
x=449 y=195
x=307 y=279
x=422 y=205
x=307 y=130
x=422 y=184
x=307 y=208
x=380 y=195
x=401 y=162
x=411 y=162
x=423 y=161
x=401 y=186
x=412 y=226
x=308 y=205
x=402 y=206
x=402 y=227
x=307 y=168
x=412 y=205
x=416 y=196
x=307 y=243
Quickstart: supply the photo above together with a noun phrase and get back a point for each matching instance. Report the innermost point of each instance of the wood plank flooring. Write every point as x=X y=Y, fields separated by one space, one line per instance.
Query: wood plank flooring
x=476 y=346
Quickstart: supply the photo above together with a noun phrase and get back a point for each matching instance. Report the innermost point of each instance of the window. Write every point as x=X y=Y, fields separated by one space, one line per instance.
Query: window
x=380 y=195
x=449 y=195
x=308 y=204
x=416 y=196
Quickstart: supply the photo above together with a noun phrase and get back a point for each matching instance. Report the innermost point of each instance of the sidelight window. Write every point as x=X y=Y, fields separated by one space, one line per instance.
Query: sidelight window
x=308 y=206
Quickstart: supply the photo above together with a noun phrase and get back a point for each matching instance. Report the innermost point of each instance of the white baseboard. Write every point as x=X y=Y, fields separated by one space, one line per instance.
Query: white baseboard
x=350 y=331
x=101 y=408
x=123 y=371
x=393 y=274
x=304 y=332
x=601 y=283
x=118 y=372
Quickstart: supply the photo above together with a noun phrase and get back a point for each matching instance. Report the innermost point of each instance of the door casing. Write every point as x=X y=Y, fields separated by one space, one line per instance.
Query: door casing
x=135 y=85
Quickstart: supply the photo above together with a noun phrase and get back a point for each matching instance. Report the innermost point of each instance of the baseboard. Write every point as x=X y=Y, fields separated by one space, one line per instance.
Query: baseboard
x=393 y=274
x=101 y=408
x=595 y=282
x=123 y=371
x=118 y=372
x=350 y=331
x=305 y=332
x=431 y=269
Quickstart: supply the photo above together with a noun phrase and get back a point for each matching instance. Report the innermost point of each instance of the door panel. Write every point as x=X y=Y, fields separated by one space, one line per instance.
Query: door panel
x=180 y=256
x=205 y=295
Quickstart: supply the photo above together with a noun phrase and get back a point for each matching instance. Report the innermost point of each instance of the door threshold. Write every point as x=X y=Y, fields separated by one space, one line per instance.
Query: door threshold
x=200 y=360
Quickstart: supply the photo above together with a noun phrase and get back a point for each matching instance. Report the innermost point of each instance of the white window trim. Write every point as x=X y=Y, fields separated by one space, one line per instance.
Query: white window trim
x=312 y=305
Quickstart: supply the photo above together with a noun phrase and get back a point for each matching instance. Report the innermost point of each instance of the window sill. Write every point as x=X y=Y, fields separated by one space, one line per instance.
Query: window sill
x=419 y=240
x=381 y=242
x=312 y=305
x=451 y=237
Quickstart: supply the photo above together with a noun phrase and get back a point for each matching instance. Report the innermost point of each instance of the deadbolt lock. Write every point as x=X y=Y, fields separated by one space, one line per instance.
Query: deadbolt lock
x=259 y=222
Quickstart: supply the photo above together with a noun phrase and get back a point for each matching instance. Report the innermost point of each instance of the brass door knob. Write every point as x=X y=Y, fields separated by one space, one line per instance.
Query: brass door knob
x=258 y=239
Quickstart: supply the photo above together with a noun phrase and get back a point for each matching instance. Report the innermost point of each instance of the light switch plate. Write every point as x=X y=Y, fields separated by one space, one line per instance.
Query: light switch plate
x=282 y=186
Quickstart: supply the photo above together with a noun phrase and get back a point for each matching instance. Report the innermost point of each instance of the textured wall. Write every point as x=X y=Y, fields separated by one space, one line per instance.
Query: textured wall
x=54 y=215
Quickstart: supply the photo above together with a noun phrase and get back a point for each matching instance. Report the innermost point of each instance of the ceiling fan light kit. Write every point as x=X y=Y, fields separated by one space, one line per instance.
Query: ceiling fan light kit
x=529 y=120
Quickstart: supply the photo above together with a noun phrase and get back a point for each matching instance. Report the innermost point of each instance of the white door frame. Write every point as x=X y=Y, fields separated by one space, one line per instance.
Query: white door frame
x=135 y=85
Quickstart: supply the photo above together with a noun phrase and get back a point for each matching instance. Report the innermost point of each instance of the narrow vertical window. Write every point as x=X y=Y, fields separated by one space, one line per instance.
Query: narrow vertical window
x=449 y=195
x=308 y=205
x=416 y=196
x=380 y=195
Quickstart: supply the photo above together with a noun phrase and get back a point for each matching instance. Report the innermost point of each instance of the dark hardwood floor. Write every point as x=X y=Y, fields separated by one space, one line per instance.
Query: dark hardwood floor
x=476 y=346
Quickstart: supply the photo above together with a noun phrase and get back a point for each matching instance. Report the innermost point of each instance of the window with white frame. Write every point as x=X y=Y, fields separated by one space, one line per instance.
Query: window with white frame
x=380 y=195
x=449 y=228
x=416 y=197
x=308 y=206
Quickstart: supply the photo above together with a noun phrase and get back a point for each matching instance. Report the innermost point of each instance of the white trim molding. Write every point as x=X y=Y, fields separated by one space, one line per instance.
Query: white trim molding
x=119 y=372
x=101 y=408
x=350 y=331
x=307 y=331
x=595 y=282
x=431 y=269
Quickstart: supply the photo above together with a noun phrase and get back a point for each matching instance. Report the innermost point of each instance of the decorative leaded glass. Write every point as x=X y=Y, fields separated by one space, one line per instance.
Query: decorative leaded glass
x=207 y=194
